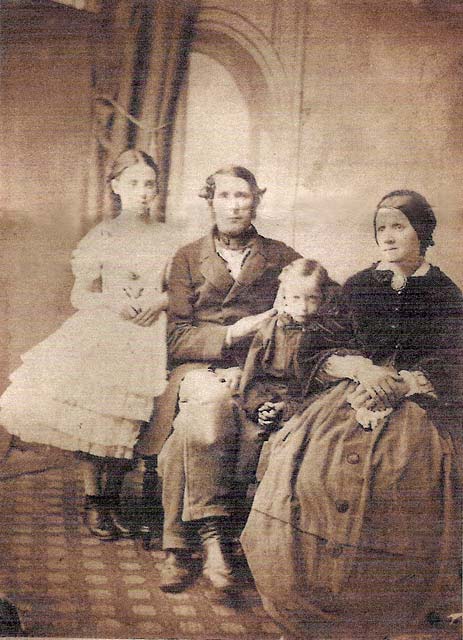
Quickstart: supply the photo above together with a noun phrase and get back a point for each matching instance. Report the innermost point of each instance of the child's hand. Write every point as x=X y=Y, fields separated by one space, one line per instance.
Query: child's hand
x=148 y=314
x=269 y=413
x=151 y=308
x=127 y=311
x=124 y=307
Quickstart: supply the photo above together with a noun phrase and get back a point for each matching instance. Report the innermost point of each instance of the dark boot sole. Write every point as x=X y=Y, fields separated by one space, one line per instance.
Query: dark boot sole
x=174 y=588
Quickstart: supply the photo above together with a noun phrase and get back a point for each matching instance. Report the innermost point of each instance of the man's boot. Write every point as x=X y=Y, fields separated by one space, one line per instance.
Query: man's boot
x=176 y=571
x=217 y=561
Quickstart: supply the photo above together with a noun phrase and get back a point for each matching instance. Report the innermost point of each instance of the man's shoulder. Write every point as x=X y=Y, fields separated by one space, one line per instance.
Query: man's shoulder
x=275 y=248
x=193 y=247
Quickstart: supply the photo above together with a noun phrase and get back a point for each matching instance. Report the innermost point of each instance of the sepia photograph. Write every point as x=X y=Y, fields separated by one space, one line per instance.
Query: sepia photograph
x=231 y=336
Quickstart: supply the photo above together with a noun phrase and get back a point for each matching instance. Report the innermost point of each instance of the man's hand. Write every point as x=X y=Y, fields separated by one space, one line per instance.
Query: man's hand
x=231 y=377
x=248 y=326
x=269 y=413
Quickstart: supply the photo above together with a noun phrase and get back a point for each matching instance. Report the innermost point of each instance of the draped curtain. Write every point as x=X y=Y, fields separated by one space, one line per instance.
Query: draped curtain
x=140 y=61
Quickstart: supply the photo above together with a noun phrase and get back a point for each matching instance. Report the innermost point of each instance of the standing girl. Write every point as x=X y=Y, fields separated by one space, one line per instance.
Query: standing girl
x=89 y=387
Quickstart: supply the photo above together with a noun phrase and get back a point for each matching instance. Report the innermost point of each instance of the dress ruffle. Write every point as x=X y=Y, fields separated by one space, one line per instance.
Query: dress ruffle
x=50 y=422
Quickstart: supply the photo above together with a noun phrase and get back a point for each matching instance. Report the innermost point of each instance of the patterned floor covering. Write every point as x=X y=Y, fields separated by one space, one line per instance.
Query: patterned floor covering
x=68 y=584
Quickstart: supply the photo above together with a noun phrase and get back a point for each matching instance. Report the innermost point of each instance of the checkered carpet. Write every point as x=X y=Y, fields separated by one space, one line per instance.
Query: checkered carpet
x=67 y=583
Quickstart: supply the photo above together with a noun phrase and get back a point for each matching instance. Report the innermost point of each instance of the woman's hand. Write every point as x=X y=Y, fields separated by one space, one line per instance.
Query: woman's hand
x=381 y=384
x=367 y=398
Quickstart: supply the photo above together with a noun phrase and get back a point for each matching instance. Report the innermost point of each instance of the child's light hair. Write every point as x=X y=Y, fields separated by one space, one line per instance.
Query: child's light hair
x=302 y=268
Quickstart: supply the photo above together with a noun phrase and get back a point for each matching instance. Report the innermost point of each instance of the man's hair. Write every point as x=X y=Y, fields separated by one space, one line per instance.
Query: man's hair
x=236 y=171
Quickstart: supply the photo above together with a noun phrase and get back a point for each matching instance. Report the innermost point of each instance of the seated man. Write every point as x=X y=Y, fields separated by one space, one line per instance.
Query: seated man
x=221 y=288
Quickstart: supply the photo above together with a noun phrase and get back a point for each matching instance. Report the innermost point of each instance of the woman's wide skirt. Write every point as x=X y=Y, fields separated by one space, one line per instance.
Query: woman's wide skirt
x=354 y=527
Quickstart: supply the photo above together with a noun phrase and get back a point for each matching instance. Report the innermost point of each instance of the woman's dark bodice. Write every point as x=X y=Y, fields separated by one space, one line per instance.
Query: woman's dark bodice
x=418 y=328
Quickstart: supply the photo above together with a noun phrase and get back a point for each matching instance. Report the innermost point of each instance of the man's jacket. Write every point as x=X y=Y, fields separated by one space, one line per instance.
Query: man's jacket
x=204 y=299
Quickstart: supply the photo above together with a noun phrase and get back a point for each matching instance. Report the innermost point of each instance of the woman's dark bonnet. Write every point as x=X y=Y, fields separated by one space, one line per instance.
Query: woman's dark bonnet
x=417 y=210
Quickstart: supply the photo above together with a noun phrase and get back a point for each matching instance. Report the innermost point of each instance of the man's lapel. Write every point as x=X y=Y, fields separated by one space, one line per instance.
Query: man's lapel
x=212 y=267
x=254 y=266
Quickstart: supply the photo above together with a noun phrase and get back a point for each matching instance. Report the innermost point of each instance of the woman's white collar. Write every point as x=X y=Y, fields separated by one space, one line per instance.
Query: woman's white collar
x=421 y=271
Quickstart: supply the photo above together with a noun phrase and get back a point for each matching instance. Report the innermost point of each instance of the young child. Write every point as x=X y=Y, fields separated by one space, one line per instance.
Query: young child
x=89 y=387
x=293 y=353
x=275 y=377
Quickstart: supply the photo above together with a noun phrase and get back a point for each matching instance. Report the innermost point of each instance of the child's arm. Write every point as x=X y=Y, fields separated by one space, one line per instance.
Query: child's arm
x=257 y=387
x=86 y=265
x=86 y=294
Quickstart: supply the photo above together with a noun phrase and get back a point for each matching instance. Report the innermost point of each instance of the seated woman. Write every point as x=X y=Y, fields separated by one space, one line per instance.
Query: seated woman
x=360 y=516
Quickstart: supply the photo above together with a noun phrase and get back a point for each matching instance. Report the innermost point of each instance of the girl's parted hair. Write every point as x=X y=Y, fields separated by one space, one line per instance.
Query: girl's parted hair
x=129 y=158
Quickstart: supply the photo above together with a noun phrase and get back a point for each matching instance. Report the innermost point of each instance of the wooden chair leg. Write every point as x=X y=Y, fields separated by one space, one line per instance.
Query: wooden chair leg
x=152 y=513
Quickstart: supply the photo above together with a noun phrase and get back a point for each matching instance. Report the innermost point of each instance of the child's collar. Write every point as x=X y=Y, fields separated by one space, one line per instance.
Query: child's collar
x=287 y=322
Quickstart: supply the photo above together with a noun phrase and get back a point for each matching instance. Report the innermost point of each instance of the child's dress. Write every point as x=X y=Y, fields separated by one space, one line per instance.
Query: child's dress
x=284 y=360
x=88 y=386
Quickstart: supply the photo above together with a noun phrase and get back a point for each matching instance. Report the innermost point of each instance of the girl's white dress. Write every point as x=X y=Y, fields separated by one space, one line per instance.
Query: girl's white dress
x=88 y=386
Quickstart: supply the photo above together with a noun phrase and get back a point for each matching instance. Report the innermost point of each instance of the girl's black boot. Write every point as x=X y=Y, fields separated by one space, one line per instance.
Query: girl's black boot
x=116 y=517
x=97 y=519
x=152 y=514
